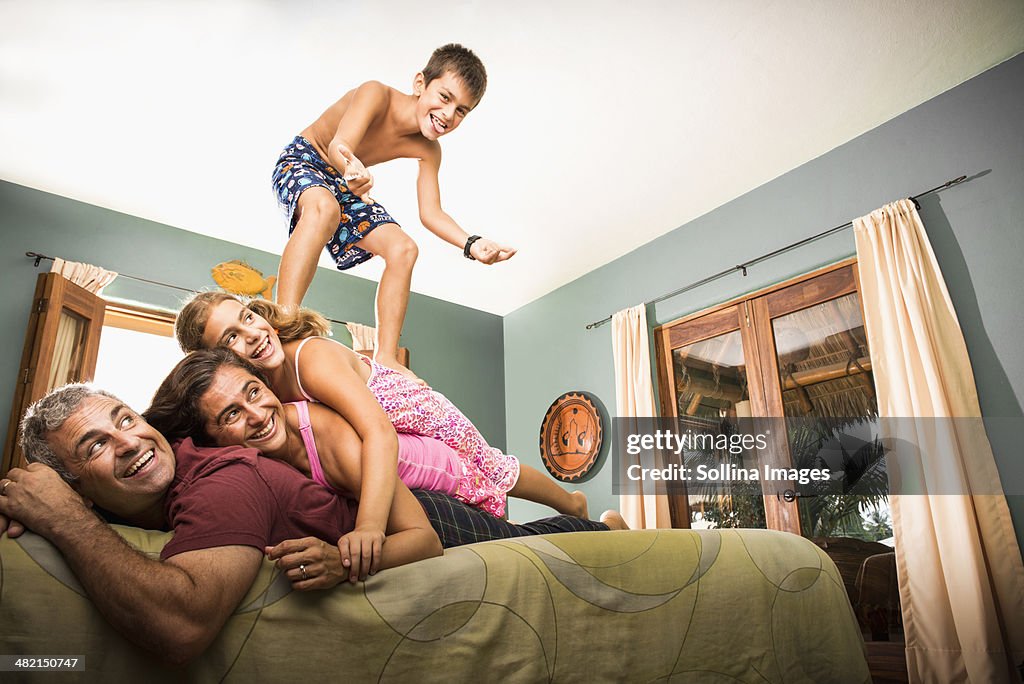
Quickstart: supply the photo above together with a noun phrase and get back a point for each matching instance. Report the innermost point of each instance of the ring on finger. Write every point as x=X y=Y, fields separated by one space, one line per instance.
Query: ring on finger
x=302 y=569
x=3 y=487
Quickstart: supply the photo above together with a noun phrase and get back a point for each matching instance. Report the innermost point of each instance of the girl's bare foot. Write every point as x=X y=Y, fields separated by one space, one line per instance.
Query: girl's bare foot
x=393 y=364
x=614 y=521
x=579 y=505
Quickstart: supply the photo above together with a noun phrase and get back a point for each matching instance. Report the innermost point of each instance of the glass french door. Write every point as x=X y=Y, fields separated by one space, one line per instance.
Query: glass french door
x=797 y=356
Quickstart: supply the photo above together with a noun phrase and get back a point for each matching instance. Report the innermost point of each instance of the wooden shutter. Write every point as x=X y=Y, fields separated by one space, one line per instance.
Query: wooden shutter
x=61 y=343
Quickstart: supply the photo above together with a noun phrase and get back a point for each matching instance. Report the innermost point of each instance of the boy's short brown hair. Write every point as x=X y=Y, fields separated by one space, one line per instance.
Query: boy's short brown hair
x=462 y=62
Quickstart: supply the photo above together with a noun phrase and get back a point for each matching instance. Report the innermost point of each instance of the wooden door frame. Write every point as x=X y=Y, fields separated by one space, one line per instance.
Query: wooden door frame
x=53 y=295
x=752 y=313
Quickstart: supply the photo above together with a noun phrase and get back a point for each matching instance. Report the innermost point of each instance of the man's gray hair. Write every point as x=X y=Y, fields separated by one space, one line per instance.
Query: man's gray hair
x=47 y=415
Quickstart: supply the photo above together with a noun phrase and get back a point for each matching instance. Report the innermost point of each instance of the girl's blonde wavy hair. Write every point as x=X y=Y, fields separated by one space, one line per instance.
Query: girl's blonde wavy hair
x=290 y=325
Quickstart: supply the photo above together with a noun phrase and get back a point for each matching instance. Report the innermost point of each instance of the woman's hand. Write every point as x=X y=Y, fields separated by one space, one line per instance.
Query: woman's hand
x=360 y=552
x=309 y=563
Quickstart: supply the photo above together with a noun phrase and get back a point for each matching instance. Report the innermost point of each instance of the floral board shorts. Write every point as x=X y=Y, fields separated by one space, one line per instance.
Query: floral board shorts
x=301 y=167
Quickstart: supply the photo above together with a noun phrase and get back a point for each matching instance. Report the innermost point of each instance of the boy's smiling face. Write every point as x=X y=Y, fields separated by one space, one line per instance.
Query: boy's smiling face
x=443 y=104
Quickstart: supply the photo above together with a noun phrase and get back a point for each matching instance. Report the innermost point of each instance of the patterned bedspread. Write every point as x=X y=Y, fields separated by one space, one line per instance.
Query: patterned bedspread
x=655 y=605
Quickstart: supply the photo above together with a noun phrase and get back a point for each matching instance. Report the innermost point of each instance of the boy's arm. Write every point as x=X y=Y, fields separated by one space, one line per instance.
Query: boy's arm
x=442 y=225
x=369 y=101
x=173 y=609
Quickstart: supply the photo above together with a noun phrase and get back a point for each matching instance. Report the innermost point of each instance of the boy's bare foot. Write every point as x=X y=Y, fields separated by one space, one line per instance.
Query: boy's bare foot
x=579 y=507
x=393 y=364
x=614 y=521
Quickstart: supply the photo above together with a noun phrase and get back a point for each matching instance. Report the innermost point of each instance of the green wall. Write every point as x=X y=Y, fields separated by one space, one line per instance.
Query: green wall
x=976 y=129
x=459 y=350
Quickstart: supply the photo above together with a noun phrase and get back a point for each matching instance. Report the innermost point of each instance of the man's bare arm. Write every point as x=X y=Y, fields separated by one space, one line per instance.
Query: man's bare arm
x=173 y=609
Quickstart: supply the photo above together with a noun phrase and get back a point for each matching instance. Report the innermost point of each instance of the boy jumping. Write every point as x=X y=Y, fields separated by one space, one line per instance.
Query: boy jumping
x=322 y=183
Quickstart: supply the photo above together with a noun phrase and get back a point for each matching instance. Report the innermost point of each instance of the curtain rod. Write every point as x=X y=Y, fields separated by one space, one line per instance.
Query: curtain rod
x=747 y=264
x=39 y=257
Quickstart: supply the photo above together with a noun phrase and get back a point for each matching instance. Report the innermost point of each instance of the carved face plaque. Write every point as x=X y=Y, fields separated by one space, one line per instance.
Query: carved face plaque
x=570 y=436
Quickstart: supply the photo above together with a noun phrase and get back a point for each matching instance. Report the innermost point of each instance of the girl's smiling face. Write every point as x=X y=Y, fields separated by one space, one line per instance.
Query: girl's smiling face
x=233 y=326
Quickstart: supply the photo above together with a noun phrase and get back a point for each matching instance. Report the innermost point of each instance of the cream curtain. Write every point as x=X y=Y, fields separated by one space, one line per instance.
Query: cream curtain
x=87 y=276
x=961 y=579
x=364 y=338
x=634 y=397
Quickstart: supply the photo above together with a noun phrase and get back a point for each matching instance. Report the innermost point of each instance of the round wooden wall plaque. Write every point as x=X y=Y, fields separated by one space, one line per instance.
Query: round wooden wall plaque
x=570 y=436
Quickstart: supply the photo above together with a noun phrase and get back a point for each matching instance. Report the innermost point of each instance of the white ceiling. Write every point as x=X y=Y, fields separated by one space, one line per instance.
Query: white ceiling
x=605 y=124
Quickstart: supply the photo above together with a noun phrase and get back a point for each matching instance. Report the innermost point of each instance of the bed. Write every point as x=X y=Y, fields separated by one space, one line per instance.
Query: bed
x=647 y=605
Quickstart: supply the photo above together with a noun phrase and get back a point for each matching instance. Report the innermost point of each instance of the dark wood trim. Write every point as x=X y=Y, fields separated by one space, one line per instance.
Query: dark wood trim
x=666 y=379
x=20 y=382
x=696 y=330
x=54 y=295
x=807 y=293
x=781 y=515
x=759 y=293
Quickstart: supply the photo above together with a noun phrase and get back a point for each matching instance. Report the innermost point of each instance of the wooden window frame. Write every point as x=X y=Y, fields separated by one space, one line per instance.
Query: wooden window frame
x=752 y=315
x=53 y=295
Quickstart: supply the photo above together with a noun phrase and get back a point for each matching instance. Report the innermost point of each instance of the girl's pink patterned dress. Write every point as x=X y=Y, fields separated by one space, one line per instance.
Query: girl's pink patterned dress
x=487 y=474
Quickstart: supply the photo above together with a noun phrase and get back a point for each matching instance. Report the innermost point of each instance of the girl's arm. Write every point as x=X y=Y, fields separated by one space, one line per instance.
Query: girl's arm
x=410 y=538
x=326 y=374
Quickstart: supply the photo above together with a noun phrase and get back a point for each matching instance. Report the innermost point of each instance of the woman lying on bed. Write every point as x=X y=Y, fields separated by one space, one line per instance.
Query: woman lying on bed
x=220 y=399
x=299 y=363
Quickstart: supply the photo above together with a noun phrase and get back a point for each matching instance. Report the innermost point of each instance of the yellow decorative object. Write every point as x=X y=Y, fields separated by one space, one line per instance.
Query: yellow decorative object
x=239 y=277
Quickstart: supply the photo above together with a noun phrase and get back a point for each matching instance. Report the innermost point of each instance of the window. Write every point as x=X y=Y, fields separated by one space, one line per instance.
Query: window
x=796 y=351
x=62 y=345
x=137 y=353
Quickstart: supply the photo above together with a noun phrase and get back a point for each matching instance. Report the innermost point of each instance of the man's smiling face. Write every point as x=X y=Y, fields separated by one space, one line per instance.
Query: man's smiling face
x=122 y=463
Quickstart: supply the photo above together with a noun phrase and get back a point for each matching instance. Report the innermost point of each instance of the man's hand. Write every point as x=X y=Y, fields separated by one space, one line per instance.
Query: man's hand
x=360 y=552
x=309 y=563
x=490 y=252
x=37 y=498
x=356 y=176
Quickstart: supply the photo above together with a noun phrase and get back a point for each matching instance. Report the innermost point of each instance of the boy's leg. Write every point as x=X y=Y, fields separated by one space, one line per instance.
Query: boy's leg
x=318 y=217
x=535 y=486
x=399 y=252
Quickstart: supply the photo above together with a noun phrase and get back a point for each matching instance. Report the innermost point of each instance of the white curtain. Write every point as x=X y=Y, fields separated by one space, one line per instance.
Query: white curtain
x=961 y=579
x=634 y=397
x=364 y=337
x=87 y=276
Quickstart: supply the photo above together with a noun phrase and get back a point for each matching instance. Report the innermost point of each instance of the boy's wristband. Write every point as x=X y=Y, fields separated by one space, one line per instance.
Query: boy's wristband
x=469 y=243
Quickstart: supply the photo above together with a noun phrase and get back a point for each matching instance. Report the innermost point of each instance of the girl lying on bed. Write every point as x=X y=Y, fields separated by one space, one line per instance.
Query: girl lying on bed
x=219 y=399
x=301 y=364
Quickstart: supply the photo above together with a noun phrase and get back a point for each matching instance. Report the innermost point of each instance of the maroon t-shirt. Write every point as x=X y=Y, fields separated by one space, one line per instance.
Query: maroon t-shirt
x=233 y=496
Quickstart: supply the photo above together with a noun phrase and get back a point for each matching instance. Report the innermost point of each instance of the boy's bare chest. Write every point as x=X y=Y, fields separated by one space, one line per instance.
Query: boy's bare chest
x=384 y=143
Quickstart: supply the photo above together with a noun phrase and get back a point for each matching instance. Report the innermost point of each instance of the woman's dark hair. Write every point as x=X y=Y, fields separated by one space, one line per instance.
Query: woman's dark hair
x=175 y=411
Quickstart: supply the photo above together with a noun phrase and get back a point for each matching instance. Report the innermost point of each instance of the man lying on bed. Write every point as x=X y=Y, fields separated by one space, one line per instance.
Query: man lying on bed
x=175 y=607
